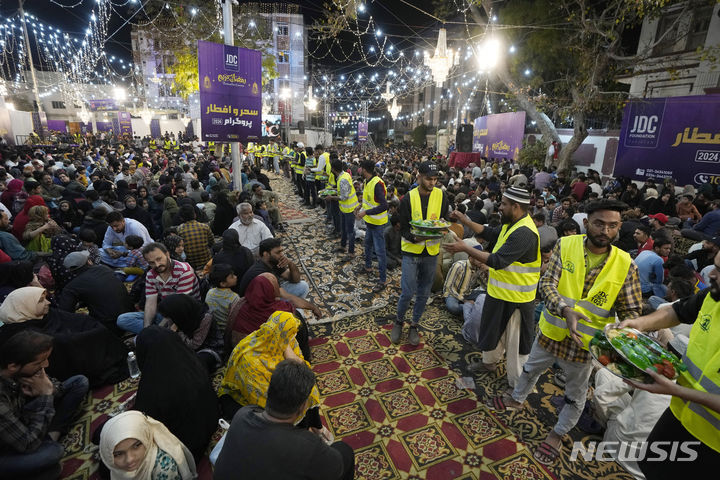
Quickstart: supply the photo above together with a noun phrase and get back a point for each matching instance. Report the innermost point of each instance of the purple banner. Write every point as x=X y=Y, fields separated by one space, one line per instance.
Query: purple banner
x=499 y=135
x=115 y=125
x=230 y=92
x=675 y=137
x=104 y=126
x=57 y=125
x=362 y=131
x=103 y=105
x=155 y=131
x=125 y=123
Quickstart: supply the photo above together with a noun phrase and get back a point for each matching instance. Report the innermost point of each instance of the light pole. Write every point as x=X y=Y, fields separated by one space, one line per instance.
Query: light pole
x=286 y=95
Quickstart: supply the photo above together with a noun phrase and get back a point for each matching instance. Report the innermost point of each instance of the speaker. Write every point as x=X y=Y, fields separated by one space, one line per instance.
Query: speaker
x=301 y=127
x=463 y=139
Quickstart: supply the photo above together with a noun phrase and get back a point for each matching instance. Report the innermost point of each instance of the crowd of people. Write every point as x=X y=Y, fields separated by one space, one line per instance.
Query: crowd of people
x=122 y=250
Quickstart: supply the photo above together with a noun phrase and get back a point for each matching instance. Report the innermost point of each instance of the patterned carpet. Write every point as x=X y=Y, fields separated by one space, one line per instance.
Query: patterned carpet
x=398 y=407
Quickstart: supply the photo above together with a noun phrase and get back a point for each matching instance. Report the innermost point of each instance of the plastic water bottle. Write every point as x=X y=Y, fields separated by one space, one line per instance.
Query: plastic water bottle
x=133 y=365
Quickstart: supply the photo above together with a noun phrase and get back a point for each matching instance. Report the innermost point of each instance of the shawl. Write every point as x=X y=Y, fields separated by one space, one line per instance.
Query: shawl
x=21 y=305
x=22 y=219
x=260 y=302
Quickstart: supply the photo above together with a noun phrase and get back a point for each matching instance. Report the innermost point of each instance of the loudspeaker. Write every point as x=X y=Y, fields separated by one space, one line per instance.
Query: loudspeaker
x=301 y=127
x=463 y=139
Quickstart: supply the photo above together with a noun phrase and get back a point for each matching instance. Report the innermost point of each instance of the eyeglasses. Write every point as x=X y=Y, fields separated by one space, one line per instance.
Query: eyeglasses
x=600 y=225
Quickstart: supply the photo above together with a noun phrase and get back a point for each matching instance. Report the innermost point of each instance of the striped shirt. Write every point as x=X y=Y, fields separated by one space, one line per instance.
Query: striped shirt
x=182 y=280
x=461 y=277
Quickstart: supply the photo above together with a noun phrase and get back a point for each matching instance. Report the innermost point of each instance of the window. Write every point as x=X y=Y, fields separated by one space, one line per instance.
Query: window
x=283 y=57
x=282 y=84
x=58 y=105
x=699 y=28
x=666 y=34
x=282 y=29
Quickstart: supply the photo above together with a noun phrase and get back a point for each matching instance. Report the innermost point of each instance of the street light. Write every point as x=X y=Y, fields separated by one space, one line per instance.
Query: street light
x=488 y=54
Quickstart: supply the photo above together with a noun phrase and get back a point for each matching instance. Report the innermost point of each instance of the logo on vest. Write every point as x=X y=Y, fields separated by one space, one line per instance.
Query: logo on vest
x=599 y=299
x=705 y=322
x=569 y=266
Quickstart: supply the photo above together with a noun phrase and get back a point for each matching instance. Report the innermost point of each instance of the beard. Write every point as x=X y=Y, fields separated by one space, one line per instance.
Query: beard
x=600 y=241
x=714 y=290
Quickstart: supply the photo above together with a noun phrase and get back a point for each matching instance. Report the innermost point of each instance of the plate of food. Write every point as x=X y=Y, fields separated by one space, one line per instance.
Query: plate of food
x=602 y=350
x=430 y=224
x=322 y=178
x=426 y=234
x=327 y=191
x=643 y=352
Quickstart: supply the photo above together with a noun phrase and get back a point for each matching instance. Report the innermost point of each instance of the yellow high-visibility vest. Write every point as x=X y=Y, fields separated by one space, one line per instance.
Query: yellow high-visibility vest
x=518 y=281
x=300 y=163
x=598 y=304
x=702 y=360
x=349 y=205
x=369 y=203
x=434 y=211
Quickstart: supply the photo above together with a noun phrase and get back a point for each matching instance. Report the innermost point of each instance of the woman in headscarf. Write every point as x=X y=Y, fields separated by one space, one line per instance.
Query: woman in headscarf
x=253 y=361
x=170 y=209
x=138 y=447
x=122 y=189
x=40 y=229
x=175 y=388
x=68 y=216
x=176 y=246
x=61 y=246
x=224 y=213
x=136 y=212
x=8 y=197
x=82 y=345
x=22 y=219
x=194 y=323
x=238 y=257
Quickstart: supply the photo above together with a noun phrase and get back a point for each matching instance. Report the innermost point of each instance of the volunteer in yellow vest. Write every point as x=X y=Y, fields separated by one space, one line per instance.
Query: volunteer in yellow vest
x=347 y=203
x=508 y=314
x=694 y=413
x=587 y=282
x=375 y=213
x=419 y=256
x=311 y=192
x=322 y=166
x=332 y=207
x=287 y=160
x=299 y=168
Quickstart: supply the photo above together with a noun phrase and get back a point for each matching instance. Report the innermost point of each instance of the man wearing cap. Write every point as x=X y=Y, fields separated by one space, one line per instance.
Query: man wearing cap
x=587 y=283
x=658 y=221
x=105 y=303
x=419 y=256
x=507 y=318
x=375 y=213
x=694 y=413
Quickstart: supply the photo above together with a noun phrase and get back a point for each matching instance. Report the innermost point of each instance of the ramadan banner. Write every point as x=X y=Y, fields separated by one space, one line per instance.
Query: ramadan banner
x=102 y=105
x=677 y=137
x=230 y=92
x=362 y=131
x=499 y=135
x=125 y=123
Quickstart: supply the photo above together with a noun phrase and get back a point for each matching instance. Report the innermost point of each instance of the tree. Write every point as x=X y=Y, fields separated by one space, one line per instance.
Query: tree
x=419 y=135
x=574 y=57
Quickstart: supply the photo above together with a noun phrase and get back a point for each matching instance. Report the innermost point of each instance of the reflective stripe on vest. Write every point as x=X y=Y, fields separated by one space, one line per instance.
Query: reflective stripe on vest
x=702 y=360
x=300 y=162
x=434 y=211
x=598 y=304
x=370 y=203
x=518 y=283
x=349 y=205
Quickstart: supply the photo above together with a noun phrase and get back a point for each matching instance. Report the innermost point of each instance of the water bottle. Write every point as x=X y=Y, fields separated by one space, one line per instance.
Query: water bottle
x=133 y=365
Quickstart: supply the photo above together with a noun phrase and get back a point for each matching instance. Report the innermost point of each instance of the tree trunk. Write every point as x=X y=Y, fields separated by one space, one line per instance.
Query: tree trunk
x=579 y=134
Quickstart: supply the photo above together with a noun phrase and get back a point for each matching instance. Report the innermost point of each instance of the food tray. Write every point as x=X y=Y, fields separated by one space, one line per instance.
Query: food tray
x=614 y=366
x=425 y=234
x=430 y=224
x=637 y=340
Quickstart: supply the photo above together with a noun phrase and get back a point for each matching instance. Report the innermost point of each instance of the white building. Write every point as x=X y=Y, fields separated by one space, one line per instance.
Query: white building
x=673 y=66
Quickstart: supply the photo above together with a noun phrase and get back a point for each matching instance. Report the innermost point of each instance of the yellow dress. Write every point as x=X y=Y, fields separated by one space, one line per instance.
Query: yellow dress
x=253 y=360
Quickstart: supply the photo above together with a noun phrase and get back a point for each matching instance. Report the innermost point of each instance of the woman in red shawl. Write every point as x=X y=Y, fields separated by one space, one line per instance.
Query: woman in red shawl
x=22 y=219
x=262 y=299
x=14 y=188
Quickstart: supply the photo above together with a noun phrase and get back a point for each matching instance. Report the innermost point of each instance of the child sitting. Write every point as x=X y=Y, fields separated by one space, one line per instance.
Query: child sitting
x=88 y=237
x=223 y=302
x=136 y=263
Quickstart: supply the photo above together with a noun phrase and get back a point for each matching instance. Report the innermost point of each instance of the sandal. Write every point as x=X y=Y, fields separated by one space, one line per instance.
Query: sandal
x=481 y=367
x=546 y=454
x=498 y=404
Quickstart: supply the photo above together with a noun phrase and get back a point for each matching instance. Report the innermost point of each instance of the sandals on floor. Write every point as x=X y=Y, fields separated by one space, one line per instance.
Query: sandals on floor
x=497 y=404
x=546 y=454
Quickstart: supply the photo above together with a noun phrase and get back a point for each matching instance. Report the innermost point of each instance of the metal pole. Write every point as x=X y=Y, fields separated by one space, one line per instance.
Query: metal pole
x=230 y=40
x=29 y=58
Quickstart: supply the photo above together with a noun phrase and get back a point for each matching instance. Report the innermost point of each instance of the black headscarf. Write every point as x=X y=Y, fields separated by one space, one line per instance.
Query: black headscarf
x=224 y=213
x=175 y=389
x=184 y=311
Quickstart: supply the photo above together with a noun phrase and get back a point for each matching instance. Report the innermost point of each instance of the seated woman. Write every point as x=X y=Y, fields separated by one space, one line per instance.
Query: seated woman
x=40 y=229
x=68 y=216
x=252 y=363
x=135 y=446
x=262 y=299
x=194 y=323
x=81 y=344
x=175 y=388
x=61 y=246
x=16 y=274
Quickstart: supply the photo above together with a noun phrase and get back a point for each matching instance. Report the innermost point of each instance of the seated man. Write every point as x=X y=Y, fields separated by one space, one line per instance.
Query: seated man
x=273 y=260
x=34 y=410
x=251 y=231
x=271 y=446
x=650 y=267
x=165 y=277
x=461 y=279
x=113 y=251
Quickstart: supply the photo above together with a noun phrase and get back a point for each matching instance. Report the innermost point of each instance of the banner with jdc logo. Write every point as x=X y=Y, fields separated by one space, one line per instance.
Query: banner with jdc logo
x=676 y=137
